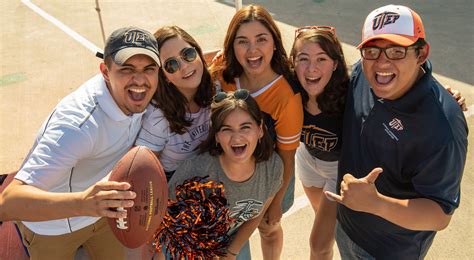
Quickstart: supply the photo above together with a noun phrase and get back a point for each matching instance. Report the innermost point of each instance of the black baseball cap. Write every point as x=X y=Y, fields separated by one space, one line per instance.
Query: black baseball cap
x=126 y=42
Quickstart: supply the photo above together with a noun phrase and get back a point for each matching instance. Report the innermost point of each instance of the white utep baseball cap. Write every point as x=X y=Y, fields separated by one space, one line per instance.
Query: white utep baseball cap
x=395 y=23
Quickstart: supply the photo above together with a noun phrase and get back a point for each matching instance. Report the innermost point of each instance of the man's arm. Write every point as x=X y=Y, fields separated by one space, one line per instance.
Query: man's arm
x=58 y=150
x=415 y=214
x=20 y=201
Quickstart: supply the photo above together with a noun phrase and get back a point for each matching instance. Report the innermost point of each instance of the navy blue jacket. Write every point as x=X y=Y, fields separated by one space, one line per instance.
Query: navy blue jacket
x=420 y=141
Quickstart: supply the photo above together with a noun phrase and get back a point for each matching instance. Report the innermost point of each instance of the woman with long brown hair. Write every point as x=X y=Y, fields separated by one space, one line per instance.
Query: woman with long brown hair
x=319 y=66
x=177 y=119
x=254 y=59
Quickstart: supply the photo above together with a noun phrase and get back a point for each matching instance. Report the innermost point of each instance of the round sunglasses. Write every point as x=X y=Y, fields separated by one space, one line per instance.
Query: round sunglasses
x=241 y=94
x=188 y=54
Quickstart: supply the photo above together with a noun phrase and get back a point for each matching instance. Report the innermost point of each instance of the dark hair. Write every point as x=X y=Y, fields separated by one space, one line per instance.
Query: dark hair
x=230 y=65
x=108 y=61
x=420 y=43
x=167 y=97
x=220 y=111
x=332 y=100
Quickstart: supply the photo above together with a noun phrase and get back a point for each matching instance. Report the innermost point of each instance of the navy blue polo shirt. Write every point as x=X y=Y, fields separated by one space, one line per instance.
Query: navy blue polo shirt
x=420 y=141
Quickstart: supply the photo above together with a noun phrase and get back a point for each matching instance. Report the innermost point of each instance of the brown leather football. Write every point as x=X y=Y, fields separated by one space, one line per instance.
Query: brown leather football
x=144 y=172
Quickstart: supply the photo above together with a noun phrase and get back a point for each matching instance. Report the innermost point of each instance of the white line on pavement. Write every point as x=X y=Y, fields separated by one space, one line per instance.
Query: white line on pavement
x=62 y=26
x=300 y=202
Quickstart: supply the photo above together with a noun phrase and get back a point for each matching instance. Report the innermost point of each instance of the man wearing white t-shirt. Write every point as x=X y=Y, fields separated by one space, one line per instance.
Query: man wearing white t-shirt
x=59 y=192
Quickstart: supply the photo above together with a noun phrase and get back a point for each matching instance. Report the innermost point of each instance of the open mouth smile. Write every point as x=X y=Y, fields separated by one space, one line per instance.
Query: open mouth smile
x=384 y=77
x=137 y=93
x=255 y=61
x=189 y=74
x=313 y=80
x=239 y=148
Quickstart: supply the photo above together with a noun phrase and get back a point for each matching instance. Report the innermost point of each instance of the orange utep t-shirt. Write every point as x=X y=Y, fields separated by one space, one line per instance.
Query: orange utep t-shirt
x=282 y=107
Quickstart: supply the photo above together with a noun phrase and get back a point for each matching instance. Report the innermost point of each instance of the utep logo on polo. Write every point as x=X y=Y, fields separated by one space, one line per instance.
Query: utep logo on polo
x=396 y=124
x=135 y=37
x=383 y=19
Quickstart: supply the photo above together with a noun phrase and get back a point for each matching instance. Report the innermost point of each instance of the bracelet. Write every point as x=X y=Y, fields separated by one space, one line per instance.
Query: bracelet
x=230 y=252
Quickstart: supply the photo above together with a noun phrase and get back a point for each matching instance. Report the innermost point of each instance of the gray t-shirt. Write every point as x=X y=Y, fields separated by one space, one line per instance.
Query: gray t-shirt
x=245 y=199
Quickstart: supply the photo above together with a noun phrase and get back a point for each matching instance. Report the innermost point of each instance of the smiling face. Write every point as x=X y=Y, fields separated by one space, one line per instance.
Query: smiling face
x=253 y=47
x=188 y=77
x=238 y=136
x=313 y=67
x=391 y=79
x=132 y=84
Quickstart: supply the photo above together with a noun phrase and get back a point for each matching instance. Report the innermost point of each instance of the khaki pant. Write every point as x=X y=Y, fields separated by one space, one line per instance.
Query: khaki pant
x=97 y=239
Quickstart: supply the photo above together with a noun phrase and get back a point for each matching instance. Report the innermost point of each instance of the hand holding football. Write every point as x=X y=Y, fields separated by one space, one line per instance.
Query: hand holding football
x=143 y=171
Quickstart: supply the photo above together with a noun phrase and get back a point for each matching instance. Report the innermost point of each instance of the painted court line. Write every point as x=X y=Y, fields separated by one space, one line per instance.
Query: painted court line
x=300 y=202
x=89 y=45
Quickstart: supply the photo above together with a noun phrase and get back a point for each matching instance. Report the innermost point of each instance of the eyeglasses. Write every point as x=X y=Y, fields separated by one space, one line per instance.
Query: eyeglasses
x=392 y=53
x=171 y=65
x=323 y=28
x=241 y=94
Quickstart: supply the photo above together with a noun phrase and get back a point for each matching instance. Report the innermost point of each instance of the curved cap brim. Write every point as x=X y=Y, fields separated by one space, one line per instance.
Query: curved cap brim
x=397 y=39
x=123 y=55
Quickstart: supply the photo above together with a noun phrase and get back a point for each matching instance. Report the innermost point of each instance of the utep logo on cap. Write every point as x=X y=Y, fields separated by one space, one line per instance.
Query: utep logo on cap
x=383 y=19
x=389 y=19
x=129 y=37
x=126 y=42
x=396 y=23
x=135 y=38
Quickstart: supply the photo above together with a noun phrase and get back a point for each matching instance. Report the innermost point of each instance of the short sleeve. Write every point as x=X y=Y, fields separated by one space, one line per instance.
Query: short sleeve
x=289 y=124
x=56 y=152
x=154 y=133
x=439 y=177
